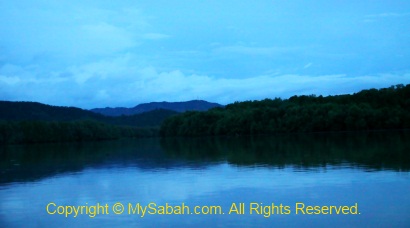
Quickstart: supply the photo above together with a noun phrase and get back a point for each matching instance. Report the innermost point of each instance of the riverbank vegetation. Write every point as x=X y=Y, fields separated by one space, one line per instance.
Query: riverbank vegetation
x=25 y=132
x=373 y=109
x=32 y=122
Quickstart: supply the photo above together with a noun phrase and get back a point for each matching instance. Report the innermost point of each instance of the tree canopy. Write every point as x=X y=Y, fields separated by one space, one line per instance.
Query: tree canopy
x=373 y=109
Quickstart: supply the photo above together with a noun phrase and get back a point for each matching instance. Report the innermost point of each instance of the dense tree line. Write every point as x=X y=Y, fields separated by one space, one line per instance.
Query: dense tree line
x=34 y=111
x=32 y=122
x=22 y=110
x=147 y=119
x=23 y=132
x=387 y=108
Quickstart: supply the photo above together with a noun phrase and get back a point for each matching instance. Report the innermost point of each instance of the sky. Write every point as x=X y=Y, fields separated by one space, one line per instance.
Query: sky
x=103 y=53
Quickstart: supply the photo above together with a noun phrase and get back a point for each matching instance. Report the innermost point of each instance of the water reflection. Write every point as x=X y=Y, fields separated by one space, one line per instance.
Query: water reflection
x=373 y=150
x=315 y=169
x=31 y=162
x=369 y=151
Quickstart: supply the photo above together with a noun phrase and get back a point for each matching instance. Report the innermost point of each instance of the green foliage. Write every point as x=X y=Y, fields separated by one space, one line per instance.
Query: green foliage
x=147 y=119
x=31 y=122
x=23 y=132
x=387 y=108
x=33 y=111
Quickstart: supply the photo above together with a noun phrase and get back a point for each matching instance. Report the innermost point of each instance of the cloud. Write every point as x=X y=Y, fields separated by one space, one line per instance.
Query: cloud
x=374 y=17
x=307 y=65
x=251 y=50
x=9 y=80
x=101 y=53
x=71 y=32
x=385 y=15
x=155 y=36
x=122 y=81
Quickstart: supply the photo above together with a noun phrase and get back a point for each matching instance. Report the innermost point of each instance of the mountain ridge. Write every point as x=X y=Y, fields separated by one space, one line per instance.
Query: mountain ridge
x=182 y=106
x=35 y=111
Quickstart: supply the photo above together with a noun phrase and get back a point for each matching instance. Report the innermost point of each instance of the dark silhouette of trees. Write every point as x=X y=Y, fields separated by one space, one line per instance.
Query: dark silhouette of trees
x=387 y=108
x=33 y=111
x=23 y=132
x=32 y=122
x=373 y=109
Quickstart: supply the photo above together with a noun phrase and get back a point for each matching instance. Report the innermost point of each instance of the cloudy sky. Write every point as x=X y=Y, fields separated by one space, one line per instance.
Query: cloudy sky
x=99 y=53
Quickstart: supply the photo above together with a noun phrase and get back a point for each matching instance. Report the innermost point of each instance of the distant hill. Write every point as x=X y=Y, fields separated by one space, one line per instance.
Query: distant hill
x=22 y=110
x=194 y=105
x=152 y=118
x=34 y=111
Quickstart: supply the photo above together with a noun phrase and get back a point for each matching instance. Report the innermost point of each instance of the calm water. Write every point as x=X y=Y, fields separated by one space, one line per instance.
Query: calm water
x=367 y=170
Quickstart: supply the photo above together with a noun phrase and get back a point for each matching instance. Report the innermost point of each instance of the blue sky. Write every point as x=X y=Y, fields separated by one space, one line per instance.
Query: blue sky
x=100 y=53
